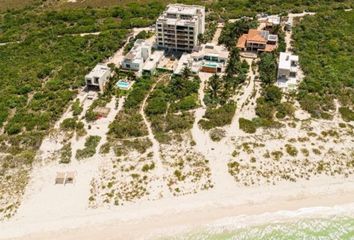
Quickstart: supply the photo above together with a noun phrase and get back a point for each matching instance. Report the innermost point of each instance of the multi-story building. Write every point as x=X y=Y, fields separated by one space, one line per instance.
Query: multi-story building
x=287 y=70
x=98 y=77
x=136 y=57
x=257 y=41
x=179 y=26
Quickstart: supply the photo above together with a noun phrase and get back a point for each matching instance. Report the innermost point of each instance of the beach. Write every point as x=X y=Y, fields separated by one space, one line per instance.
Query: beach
x=149 y=220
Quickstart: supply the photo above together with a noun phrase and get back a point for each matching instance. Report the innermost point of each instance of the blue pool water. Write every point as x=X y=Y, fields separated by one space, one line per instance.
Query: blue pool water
x=122 y=84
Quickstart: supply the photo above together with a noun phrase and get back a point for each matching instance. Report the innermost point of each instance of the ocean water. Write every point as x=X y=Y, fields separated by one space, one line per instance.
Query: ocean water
x=329 y=224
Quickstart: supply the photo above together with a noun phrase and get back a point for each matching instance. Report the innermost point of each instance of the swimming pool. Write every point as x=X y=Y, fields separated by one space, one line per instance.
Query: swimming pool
x=123 y=84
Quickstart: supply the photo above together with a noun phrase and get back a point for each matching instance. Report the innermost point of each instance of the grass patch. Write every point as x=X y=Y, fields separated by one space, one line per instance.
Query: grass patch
x=90 y=147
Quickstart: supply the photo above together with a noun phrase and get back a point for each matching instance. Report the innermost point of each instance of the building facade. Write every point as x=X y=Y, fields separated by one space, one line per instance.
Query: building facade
x=98 y=77
x=257 y=41
x=287 y=70
x=179 y=26
x=136 y=57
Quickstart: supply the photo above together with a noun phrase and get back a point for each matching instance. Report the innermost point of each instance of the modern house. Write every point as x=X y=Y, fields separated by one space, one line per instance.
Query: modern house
x=208 y=57
x=98 y=77
x=185 y=61
x=257 y=41
x=287 y=70
x=137 y=56
x=152 y=62
x=212 y=58
x=271 y=20
x=179 y=26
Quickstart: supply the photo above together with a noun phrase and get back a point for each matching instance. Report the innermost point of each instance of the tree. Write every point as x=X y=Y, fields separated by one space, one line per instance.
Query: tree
x=186 y=73
x=215 y=85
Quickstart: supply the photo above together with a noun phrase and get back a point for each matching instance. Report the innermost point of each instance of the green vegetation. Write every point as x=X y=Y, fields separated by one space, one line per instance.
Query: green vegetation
x=247 y=125
x=326 y=57
x=76 y=108
x=291 y=150
x=169 y=104
x=232 y=31
x=210 y=29
x=217 y=134
x=218 y=117
x=90 y=147
x=66 y=153
x=129 y=122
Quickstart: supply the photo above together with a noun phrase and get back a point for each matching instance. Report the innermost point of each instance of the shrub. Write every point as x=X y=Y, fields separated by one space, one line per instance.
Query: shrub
x=65 y=153
x=217 y=134
x=90 y=147
x=76 y=108
x=291 y=150
x=347 y=114
x=218 y=117
x=247 y=125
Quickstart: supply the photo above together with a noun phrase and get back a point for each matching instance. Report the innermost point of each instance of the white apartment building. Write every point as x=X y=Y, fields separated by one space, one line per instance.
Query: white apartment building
x=179 y=26
x=98 y=77
x=136 y=57
x=288 y=69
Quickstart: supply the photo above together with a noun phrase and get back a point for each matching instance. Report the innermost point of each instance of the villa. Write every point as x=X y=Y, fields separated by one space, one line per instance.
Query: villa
x=287 y=70
x=179 y=26
x=208 y=57
x=137 y=56
x=152 y=62
x=98 y=77
x=257 y=41
x=212 y=58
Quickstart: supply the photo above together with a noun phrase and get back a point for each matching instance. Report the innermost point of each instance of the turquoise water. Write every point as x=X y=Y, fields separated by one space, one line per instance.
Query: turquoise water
x=122 y=84
x=321 y=228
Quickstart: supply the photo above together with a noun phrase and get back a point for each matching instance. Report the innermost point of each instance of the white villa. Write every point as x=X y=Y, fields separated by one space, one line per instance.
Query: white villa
x=287 y=70
x=152 y=62
x=208 y=57
x=98 y=77
x=137 y=56
x=179 y=26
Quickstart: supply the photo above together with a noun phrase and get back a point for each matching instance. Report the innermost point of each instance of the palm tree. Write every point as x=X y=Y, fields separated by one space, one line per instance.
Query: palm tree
x=186 y=73
x=214 y=84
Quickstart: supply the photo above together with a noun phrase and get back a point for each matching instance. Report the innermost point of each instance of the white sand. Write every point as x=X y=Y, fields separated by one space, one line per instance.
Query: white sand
x=50 y=211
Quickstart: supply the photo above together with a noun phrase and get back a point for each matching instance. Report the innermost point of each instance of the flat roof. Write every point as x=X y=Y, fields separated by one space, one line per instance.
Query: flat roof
x=183 y=9
x=285 y=60
x=210 y=49
x=152 y=61
x=98 y=71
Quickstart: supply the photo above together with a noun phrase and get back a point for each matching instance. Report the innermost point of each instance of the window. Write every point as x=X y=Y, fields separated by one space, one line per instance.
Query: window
x=95 y=80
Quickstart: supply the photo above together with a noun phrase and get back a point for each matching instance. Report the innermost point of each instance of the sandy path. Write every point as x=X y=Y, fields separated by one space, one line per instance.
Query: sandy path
x=241 y=109
x=43 y=199
x=155 y=144
x=215 y=152
x=217 y=33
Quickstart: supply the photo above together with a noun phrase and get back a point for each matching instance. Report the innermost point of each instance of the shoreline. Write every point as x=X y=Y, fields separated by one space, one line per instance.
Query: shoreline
x=149 y=220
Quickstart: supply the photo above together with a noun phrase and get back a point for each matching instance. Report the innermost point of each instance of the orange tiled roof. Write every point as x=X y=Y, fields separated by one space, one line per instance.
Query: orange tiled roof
x=270 y=48
x=241 y=42
x=255 y=36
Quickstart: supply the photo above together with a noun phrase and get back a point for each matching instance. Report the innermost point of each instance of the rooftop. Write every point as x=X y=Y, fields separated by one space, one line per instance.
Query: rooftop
x=135 y=52
x=152 y=61
x=211 y=50
x=98 y=71
x=183 y=9
x=285 y=60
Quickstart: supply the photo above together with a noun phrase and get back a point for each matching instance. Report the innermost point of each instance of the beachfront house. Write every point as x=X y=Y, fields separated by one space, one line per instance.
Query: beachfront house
x=137 y=56
x=151 y=63
x=257 y=41
x=98 y=77
x=211 y=58
x=208 y=57
x=287 y=70
x=179 y=26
